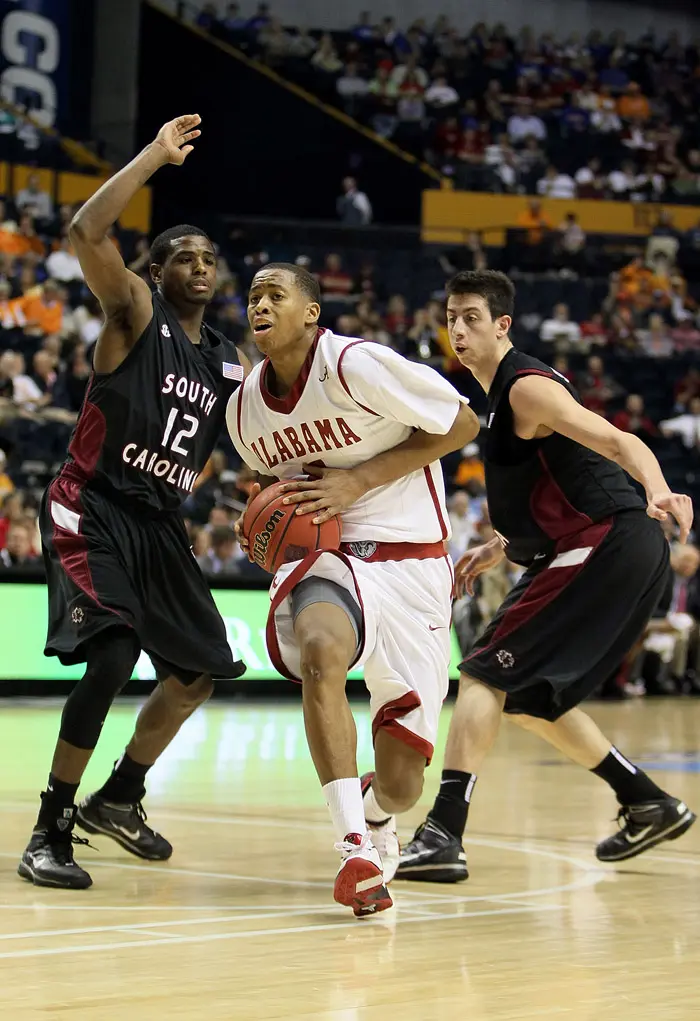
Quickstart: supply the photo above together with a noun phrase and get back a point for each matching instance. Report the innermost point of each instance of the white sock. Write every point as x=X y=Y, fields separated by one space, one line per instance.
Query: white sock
x=373 y=810
x=344 y=800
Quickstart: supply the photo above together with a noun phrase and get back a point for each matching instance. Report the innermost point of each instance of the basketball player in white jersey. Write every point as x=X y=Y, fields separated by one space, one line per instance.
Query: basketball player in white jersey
x=384 y=600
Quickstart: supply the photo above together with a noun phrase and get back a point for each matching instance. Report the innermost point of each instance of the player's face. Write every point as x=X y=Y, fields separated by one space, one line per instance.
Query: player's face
x=279 y=312
x=473 y=334
x=188 y=276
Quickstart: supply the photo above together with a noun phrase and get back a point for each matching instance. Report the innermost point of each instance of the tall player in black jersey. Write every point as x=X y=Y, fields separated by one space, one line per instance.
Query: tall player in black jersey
x=121 y=576
x=597 y=564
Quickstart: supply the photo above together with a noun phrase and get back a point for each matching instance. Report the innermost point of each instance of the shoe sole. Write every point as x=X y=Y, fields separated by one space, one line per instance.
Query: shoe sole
x=372 y=896
x=670 y=833
x=91 y=827
x=28 y=873
x=432 y=873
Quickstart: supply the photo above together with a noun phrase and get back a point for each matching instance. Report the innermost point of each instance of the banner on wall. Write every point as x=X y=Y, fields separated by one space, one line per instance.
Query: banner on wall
x=35 y=57
x=23 y=630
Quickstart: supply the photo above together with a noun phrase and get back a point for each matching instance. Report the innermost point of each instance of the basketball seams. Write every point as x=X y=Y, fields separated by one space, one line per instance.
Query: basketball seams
x=272 y=558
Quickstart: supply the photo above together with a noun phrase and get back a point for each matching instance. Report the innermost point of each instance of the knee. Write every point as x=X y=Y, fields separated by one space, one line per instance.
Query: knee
x=185 y=698
x=322 y=657
x=400 y=792
x=111 y=659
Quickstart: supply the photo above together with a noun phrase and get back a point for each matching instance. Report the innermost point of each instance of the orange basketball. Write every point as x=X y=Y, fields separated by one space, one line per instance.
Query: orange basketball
x=277 y=535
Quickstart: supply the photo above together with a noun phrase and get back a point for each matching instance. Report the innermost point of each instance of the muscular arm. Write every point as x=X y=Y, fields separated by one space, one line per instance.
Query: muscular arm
x=337 y=489
x=542 y=406
x=125 y=298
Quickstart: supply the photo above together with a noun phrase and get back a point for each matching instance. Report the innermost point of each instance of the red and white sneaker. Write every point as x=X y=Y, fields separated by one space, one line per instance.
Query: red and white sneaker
x=384 y=836
x=360 y=881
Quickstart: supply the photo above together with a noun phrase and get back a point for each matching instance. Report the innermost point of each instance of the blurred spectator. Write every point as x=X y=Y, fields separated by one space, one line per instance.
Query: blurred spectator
x=326 y=58
x=471 y=467
x=25 y=394
x=633 y=105
x=222 y=556
x=561 y=331
x=524 y=123
x=17 y=552
x=461 y=523
x=351 y=88
x=63 y=264
x=44 y=310
x=597 y=388
x=590 y=181
x=634 y=420
x=354 y=208
x=335 y=282
x=593 y=332
x=536 y=222
x=686 y=426
x=555 y=185
x=656 y=340
x=7 y=486
x=440 y=95
x=35 y=201
x=687 y=387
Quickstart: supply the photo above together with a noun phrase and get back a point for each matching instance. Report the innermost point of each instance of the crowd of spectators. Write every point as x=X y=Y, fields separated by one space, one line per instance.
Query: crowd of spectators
x=556 y=115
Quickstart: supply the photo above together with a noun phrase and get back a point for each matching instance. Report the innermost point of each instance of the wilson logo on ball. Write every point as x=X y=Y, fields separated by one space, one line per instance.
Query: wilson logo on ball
x=262 y=538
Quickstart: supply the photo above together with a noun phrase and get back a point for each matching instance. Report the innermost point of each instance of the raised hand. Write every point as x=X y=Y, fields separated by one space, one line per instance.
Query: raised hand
x=174 y=137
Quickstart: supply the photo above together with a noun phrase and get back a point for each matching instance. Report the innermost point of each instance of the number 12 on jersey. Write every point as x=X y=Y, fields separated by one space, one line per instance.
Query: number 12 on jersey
x=184 y=434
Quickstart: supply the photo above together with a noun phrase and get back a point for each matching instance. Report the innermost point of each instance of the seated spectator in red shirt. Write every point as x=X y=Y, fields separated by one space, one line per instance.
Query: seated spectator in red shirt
x=597 y=388
x=397 y=319
x=335 y=282
x=687 y=387
x=633 y=419
x=448 y=136
x=593 y=331
x=472 y=147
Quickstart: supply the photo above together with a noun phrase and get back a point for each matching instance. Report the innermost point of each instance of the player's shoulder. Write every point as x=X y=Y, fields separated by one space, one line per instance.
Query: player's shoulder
x=357 y=352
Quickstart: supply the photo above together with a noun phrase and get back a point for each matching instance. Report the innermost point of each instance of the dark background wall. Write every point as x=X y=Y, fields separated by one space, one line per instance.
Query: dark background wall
x=263 y=151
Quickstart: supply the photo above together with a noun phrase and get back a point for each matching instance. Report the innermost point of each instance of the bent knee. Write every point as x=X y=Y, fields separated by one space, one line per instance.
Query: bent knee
x=399 y=791
x=187 y=697
x=322 y=654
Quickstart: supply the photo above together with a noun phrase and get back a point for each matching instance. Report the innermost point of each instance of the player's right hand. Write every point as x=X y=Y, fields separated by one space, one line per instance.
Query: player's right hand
x=174 y=136
x=473 y=563
x=238 y=527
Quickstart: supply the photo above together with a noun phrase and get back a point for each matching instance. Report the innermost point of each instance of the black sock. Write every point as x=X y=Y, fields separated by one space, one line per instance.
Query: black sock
x=631 y=785
x=452 y=803
x=126 y=784
x=57 y=803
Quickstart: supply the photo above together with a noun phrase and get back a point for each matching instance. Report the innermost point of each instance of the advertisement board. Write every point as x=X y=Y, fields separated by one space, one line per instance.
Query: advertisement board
x=23 y=630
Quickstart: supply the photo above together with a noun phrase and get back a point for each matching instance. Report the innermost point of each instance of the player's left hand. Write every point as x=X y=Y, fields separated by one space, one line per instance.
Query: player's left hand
x=328 y=492
x=678 y=506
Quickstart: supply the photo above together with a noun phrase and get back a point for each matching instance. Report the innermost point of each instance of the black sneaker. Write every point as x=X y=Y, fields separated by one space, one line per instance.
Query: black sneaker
x=124 y=823
x=433 y=856
x=644 y=826
x=48 y=860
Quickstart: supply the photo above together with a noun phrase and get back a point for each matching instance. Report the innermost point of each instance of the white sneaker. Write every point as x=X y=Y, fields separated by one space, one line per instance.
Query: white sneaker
x=385 y=839
x=360 y=880
x=384 y=836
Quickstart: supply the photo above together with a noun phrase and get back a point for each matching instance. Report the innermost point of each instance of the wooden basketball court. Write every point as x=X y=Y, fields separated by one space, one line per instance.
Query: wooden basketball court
x=241 y=924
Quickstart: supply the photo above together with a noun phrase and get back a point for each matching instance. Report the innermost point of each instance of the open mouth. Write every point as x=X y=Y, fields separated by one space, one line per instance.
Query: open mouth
x=199 y=285
x=260 y=329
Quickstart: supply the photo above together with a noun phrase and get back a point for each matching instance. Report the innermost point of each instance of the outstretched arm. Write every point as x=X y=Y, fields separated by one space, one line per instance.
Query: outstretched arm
x=124 y=296
x=539 y=402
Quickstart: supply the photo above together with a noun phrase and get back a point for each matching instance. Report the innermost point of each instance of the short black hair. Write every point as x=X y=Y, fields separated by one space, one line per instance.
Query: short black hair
x=160 y=249
x=305 y=281
x=495 y=288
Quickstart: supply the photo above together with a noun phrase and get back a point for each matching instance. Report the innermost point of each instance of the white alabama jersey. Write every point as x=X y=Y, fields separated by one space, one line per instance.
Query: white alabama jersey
x=353 y=400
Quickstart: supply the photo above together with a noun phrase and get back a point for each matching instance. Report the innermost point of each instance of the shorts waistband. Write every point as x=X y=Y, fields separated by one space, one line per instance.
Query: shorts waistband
x=379 y=552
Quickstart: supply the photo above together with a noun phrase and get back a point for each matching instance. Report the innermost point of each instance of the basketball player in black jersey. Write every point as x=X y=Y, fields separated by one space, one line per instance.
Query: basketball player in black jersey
x=597 y=564
x=121 y=576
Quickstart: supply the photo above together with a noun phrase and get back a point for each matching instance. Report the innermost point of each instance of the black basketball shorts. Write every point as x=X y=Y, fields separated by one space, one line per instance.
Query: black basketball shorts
x=572 y=618
x=107 y=566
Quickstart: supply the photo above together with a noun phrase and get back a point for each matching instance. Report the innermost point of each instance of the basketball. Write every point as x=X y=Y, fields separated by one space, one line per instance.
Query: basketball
x=277 y=535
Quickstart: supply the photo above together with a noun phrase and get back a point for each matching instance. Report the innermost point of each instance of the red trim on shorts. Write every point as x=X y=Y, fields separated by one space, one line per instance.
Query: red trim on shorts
x=387 y=719
x=287 y=404
x=397 y=551
x=436 y=503
x=547 y=585
x=284 y=591
x=341 y=376
x=72 y=549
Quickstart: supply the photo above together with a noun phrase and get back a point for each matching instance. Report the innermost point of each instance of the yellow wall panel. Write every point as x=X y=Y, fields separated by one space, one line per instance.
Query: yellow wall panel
x=447 y=215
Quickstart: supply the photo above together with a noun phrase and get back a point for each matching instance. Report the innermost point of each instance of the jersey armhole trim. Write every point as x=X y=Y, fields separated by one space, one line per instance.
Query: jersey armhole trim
x=343 y=381
x=239 y=411
x=131 y=353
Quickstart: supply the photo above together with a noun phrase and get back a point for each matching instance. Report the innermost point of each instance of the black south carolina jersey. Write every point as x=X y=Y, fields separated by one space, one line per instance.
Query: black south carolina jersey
x=540 y=491
x=147 y=429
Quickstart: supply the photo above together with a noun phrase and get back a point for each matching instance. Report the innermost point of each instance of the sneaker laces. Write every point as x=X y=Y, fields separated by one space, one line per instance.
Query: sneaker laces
x=347 y=847
x=63 y=849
